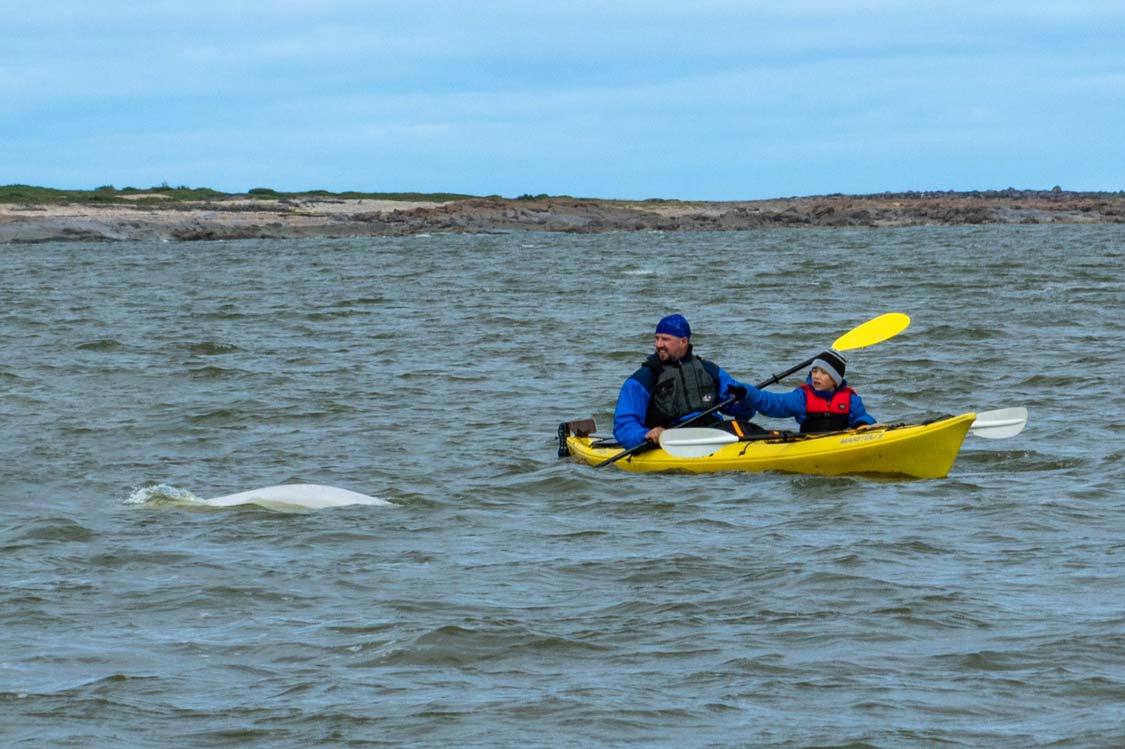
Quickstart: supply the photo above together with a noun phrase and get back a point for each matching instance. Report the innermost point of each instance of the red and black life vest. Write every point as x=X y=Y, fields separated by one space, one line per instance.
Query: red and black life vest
x=826 y=415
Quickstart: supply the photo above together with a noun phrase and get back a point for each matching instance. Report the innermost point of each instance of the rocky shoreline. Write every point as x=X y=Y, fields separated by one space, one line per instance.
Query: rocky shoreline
x=240 y=217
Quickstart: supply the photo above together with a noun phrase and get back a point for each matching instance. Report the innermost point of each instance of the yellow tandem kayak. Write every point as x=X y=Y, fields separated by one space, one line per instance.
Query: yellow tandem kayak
x=919 y=450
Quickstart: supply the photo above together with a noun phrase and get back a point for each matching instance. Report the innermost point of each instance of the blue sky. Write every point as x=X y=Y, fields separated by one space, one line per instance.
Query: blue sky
x=694 y=100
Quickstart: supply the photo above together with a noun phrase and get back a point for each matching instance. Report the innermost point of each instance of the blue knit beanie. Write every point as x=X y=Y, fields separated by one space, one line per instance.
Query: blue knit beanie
x=676 y=325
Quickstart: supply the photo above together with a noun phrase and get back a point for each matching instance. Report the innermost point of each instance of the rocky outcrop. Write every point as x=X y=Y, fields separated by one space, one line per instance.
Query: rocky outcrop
x=239 y=218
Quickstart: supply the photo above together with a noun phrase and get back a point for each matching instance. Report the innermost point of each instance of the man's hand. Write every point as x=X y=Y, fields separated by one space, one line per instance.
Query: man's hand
x=653 y=435
x=736 y=391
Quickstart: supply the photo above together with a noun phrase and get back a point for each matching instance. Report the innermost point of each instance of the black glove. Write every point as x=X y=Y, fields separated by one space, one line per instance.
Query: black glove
x=736 y=391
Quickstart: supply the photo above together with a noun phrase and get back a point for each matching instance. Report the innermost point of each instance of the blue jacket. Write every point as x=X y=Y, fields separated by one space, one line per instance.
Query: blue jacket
x=632 y=406
x=780 y=405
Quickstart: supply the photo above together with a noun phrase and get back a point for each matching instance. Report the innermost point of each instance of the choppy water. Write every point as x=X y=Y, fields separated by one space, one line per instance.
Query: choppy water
x=507 y=598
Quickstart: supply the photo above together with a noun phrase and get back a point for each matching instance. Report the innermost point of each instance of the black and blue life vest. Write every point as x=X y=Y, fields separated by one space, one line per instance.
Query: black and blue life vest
x=677 y=389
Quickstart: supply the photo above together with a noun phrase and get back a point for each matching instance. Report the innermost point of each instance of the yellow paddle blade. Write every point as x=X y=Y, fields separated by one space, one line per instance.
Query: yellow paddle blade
x=873 y=331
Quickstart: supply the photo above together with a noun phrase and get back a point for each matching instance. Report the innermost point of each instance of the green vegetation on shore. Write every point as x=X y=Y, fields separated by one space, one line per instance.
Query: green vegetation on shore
x=164 y=193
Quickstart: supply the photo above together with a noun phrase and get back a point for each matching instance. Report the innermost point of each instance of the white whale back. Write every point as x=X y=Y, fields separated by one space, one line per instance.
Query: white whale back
x=311 y=496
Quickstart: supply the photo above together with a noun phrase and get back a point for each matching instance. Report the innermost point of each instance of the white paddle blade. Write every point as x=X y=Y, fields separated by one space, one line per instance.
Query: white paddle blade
x=694 y=443
x=998 y=424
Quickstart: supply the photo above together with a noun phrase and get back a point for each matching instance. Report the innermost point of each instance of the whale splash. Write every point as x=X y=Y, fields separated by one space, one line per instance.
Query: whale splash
x=281 y=497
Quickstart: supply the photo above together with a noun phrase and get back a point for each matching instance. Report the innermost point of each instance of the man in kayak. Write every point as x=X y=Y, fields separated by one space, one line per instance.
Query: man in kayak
x=824 y=403
x=671 y=386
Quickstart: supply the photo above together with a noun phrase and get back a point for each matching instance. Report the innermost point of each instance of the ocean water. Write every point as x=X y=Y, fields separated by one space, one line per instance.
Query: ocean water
x=503 y=597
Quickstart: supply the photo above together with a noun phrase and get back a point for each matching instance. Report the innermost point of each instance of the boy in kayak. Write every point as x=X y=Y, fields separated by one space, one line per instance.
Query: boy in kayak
x=824 y=403
x=672 y=385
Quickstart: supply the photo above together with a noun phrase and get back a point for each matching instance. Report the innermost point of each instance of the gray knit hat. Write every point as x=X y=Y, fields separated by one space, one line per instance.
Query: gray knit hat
x=832 y=362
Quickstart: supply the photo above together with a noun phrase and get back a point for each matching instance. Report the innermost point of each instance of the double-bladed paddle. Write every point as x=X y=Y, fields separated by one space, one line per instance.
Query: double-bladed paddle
x=698 y=442
x=875 y=330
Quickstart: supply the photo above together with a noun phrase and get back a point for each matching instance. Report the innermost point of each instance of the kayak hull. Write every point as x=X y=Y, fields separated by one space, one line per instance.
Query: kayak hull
x=917 y=450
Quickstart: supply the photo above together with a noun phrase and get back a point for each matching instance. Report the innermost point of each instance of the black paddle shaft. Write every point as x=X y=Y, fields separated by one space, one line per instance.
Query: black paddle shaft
x=786 y=373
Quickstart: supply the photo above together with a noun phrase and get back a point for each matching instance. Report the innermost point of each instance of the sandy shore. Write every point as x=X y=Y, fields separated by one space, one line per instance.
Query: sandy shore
x=237 y=218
